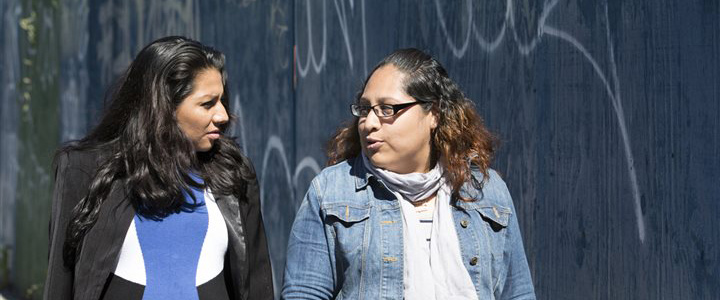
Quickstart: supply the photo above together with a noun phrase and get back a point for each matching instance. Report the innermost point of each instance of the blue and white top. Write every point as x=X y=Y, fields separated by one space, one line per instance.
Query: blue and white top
x=179 y=257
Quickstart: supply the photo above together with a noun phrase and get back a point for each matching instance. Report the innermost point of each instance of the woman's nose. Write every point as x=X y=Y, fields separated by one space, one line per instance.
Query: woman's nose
x=220 y=115
x=372 y=121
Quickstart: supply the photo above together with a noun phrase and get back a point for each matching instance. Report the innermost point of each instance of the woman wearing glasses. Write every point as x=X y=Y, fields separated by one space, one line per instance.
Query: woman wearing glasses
x=410 y=207
x=156 y=203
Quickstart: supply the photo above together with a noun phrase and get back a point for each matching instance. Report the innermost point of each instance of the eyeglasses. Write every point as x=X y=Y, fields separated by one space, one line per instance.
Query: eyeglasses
x=381 y=110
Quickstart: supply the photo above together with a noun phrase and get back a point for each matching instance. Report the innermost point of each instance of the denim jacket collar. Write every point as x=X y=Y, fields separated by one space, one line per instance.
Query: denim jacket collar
x=482 y=200
x=361 y=174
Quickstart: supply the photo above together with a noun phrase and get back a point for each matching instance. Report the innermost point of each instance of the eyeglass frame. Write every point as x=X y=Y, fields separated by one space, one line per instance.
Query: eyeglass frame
x=395 y=109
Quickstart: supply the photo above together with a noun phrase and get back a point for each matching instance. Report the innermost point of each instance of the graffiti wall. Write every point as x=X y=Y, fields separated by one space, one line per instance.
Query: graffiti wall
x=608 y=113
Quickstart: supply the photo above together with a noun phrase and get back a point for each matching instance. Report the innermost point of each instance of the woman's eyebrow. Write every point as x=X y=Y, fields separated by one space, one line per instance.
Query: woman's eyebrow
x=381 y=100
x=209 y=95
x=385 y=100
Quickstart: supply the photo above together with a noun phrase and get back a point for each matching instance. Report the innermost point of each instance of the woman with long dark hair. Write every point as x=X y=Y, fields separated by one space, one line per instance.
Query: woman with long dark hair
x=409 y=207
x=155 y=202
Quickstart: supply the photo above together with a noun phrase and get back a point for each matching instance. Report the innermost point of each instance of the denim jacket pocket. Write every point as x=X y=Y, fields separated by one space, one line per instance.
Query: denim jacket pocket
x=496 y=219
x=347 y=224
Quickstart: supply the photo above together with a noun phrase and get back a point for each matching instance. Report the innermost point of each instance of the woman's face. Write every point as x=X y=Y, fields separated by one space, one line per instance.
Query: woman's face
x=201 y=114
x=400 y=143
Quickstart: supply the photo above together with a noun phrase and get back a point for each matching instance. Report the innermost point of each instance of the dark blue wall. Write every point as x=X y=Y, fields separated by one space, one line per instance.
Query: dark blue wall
x=608 y=113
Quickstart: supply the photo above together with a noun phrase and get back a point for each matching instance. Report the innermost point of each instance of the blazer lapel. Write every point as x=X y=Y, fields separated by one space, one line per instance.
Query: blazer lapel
x=237 y=247
x=101 y=246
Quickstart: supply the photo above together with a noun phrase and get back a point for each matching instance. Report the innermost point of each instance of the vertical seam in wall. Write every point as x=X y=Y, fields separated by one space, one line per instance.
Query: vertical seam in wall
x=293 y=84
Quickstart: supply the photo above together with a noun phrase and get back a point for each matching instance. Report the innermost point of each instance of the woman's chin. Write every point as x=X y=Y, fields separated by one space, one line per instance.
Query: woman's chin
x=378 y=161
x=204 y=147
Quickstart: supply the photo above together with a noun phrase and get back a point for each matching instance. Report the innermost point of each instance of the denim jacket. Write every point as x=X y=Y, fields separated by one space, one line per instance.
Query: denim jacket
x=347 y=239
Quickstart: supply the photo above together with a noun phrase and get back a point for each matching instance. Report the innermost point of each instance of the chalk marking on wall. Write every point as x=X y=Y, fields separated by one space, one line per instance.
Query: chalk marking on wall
x=306 y=163
x=317 y=66
x=526 y=49
x=623 y=129
x=275 y=143
x=615 y=100
x=154 y=19
x=490 y=46
x=342 y=15
x=74 y=79
x=457 y=51
x=238 y=112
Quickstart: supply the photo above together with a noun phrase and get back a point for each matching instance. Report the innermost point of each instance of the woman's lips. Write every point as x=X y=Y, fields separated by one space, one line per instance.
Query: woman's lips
x=374 y=145
x=213 y=135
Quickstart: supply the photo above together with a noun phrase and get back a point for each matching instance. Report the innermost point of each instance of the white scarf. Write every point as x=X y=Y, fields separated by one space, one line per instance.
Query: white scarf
x=438 y=272
x=413 y=186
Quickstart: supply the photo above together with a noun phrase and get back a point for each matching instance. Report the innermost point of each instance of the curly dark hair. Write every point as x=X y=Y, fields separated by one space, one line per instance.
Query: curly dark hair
x=143 y=147
x=460 y=140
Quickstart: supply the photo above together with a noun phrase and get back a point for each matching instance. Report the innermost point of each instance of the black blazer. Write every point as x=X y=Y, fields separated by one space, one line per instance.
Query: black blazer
x=247 y=263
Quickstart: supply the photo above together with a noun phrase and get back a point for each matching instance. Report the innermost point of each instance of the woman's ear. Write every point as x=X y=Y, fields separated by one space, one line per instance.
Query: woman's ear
x=433 y=120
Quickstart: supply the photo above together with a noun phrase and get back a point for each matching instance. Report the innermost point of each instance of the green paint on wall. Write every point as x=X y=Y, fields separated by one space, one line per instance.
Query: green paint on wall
x=38 y=137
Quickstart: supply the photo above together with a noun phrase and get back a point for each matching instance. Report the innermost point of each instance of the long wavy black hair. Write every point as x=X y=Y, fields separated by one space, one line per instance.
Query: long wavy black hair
x=143 y=147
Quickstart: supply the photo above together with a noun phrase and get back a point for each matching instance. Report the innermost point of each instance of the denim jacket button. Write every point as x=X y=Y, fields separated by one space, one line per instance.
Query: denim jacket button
x=464 y=223
x=473 y=261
